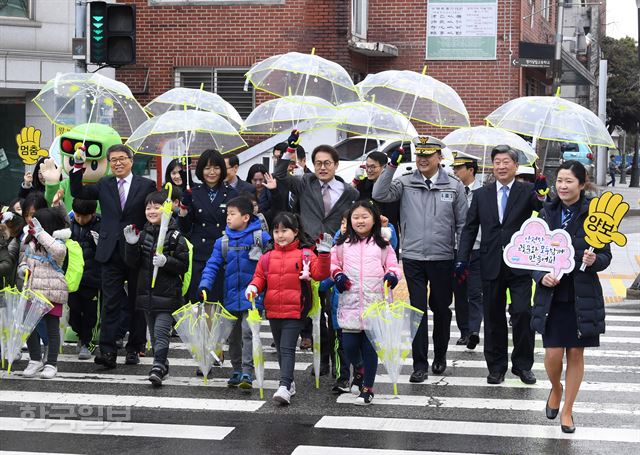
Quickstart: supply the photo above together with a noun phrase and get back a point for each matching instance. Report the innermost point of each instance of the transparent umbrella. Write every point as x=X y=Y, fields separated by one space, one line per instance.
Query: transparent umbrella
x=193 y=329
x=71 y=99
x=551 y=118
x=373 y=120
x=178 y=98
x=294 y=74
x=416 y=95
x=255 y=322
x=391 y=327
x=303 y=113
x=478 y=141
x=314 y=314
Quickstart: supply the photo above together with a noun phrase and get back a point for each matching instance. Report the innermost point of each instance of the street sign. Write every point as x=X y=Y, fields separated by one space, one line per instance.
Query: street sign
x=531 y=62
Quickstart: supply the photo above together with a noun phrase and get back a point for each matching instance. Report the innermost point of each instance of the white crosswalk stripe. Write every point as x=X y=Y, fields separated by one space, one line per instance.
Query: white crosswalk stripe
x=458 y=405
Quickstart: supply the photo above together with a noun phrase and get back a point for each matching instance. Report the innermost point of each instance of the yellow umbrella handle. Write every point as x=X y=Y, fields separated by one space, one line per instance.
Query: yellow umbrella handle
x=169 y=188
x=253 y=302
x=204 y=296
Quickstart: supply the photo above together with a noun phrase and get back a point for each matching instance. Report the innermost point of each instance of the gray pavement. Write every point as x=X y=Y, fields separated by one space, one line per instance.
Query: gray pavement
x=457 y=412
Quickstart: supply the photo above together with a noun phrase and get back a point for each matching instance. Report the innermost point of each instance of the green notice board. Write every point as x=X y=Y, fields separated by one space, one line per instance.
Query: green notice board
x=462 y=29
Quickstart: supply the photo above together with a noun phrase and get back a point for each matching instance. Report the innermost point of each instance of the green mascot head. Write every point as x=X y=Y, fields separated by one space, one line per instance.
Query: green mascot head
x=96 y=139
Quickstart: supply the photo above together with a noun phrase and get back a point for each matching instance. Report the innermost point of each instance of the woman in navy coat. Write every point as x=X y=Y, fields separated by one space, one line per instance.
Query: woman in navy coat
x=203 y=217
x=569 y=313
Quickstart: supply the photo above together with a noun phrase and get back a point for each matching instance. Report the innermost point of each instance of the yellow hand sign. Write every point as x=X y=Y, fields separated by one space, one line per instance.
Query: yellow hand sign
x=29 y=148
x=605 y=214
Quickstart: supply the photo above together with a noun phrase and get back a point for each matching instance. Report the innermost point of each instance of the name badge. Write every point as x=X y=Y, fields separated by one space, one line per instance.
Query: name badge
x=446 y=196
x=223 y=206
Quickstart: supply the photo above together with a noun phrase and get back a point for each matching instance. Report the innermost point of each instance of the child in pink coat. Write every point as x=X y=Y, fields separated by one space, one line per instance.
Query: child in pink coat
x=361 y=262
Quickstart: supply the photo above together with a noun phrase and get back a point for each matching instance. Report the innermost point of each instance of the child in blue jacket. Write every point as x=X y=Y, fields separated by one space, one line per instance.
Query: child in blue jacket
x=237 y=253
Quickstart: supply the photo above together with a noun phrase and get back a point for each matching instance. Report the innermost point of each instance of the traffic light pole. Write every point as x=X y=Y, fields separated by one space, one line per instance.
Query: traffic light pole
x=80 y=31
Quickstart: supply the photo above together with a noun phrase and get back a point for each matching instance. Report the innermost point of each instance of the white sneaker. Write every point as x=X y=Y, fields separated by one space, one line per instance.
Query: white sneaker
x=282 y=395
x=33 y=368
x=49 y=372
x=84 y=353
x=292 y=389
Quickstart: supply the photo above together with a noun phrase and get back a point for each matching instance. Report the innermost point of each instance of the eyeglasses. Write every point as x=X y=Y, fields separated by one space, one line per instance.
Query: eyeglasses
x=326 y=164
x=119 y=160
x=372 y=167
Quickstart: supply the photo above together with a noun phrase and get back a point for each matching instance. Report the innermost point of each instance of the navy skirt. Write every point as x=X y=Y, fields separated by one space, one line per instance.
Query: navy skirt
x=561 y=330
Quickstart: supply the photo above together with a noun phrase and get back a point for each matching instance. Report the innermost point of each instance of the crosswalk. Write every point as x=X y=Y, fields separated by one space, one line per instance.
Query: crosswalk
x=88 y=410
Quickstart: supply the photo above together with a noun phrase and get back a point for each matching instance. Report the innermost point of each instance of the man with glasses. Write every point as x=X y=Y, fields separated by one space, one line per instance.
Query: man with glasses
x=321 y=199
x=121 y=198
x=366 y=177
x=433 y=207
x=499 y=209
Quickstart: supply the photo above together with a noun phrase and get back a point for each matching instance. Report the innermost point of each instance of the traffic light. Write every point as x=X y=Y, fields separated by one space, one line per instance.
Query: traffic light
x=112 y=33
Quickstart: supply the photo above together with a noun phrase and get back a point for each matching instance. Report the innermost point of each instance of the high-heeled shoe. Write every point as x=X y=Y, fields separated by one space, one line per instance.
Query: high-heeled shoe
x=551 y=412
x=568 y=428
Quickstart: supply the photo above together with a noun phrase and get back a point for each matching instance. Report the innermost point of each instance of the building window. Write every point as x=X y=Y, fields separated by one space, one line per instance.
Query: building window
x=546 y=9
x=15 y=9
x=226 y=82
x=359 y=13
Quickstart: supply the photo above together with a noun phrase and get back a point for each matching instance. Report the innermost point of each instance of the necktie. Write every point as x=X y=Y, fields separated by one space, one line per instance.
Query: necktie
x=326 y=199
x=503 y=201
x=121 y=193
x=428 y=182
x=212 y=194
x=466 y=190
x=566 y=217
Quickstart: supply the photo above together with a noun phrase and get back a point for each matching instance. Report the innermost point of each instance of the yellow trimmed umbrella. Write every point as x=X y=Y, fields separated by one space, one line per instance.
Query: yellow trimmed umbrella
x=166 y=212
x=417 y=96
x=551 y=118
x=255 y=322
x=303 y=113
x=178 y=98
x=373 y=120
x=296 y=74
x=71 y=99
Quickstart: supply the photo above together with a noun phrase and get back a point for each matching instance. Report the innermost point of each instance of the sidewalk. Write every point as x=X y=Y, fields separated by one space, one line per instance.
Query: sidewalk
x=630 y=195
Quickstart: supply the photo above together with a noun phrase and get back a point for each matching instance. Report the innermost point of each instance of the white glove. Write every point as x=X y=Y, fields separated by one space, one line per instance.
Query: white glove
x=324 y=243
x=361 y=173
x=298 y=171
x=386 y=233
x=95 y=236
x=79 y=157
x=251 y=292
x=131 y=234
x=50 y=172
x=36 y=227
x=22 y=271
x=159 y=260
x=6 y=216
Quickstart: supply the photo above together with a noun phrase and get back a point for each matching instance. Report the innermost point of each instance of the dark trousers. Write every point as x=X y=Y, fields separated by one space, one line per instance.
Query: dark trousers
x=360 y=350
x=330 y=341
x=613 y=179
x=52 y=324
x=438 y=275
x=114 y=275
x=285 y=334
x=307 y=330
x=468 y=298
x=215 y=294
x=83 y=313
x=496 y=332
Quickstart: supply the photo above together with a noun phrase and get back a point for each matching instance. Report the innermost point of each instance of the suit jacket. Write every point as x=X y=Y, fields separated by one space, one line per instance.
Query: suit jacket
x=114 y=218
x=206 y=221
x=495 y=236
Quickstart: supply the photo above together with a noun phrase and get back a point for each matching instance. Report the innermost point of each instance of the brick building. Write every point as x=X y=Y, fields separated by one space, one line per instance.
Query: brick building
x=214 y=42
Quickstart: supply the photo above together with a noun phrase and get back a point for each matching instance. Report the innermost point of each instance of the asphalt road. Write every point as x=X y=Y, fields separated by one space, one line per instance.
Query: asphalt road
x=457 y=412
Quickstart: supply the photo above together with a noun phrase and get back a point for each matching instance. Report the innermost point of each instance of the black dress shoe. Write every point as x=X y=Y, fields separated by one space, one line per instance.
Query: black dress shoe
x=132 y=358
x=418 y=376
x=525 y=376
x=462 y=341
x=107 y=360
x=551 y=412
x=474 y=339
x=439 y=366
x=568 y=428
x=495 y=378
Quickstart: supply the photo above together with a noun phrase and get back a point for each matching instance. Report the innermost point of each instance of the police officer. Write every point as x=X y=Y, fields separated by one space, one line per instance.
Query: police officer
x=433 y=210
x=468 y=293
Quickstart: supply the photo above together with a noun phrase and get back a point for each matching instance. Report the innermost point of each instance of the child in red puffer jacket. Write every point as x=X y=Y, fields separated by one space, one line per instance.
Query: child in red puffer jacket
x=284 y=273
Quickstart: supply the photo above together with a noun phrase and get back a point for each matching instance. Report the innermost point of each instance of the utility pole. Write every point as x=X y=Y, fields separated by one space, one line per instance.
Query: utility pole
x=601 y=155
x=80 y=32
x=557 y=57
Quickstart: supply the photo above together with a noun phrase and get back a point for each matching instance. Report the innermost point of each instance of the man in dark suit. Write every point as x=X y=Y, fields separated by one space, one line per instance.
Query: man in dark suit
x=233 y=164
x=121 y=197
x=500 y=209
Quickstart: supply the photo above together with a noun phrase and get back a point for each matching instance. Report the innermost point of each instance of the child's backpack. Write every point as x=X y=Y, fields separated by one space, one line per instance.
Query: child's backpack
x=73 y=265
x=186 y=278
x=255 y=250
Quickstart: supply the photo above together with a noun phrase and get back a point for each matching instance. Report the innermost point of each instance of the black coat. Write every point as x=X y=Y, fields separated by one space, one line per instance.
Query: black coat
x=243 y=187
x=589 y=302
x=167 y=293
x=114 y=218
x=495 y=236
x=206 y=221
x=91 y=277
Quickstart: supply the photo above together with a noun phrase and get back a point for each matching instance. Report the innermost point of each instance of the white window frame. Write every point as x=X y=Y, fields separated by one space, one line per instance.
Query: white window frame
x=545 y=8
x=359 y=30
x=29 y=16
